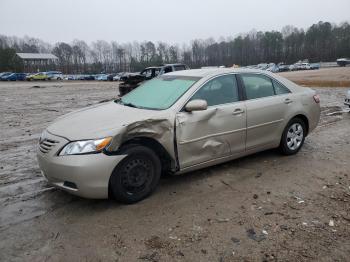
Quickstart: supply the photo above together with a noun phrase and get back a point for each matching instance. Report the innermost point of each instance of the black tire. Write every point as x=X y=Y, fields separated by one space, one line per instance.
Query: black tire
x=288 y=146
x=136 y=176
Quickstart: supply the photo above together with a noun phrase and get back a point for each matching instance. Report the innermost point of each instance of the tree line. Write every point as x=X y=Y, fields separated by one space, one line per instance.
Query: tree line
x=320 y=42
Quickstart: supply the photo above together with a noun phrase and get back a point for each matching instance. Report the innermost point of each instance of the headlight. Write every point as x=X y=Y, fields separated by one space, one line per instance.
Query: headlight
x=43 y=136
x=86 y=146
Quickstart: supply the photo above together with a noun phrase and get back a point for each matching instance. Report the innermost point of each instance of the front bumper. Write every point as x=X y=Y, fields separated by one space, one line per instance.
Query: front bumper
x=82 y=175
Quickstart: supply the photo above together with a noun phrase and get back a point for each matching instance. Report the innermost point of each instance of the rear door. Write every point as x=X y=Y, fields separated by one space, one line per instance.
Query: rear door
x=267 y=104
x=216 y=132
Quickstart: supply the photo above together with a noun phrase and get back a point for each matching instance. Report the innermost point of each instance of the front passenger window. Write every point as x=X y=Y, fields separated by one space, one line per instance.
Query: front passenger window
x=221 y=90
x=257 y=86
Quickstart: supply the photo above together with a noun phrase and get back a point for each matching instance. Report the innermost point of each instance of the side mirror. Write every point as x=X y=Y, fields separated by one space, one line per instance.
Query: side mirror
x=196 y=105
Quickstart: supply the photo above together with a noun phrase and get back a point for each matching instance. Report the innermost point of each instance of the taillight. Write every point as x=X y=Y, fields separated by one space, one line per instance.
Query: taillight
x=317 y=99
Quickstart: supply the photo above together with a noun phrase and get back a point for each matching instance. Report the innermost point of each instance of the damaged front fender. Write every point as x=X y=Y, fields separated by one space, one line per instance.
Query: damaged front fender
x=161 y=130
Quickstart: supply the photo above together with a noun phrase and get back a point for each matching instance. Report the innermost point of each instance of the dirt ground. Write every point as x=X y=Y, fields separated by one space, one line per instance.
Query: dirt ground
x=325 y=77
x=265 y=207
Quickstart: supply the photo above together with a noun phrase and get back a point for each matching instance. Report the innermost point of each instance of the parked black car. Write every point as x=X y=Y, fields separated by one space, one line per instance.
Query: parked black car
x=343 y=61
x=89 y=77
x=131 y=81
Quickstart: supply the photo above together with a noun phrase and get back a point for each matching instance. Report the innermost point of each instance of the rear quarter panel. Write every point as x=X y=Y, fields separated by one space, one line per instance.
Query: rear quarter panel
x=304 y=104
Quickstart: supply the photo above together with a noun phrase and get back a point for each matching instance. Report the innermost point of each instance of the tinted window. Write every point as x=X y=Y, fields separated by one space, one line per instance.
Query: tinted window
x=257 y=86
x=220 y=90
x=168 y=69
x=179 y=67
x=280 y=89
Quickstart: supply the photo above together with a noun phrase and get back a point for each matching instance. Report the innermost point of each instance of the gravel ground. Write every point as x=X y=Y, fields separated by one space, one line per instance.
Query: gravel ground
x=264 y=207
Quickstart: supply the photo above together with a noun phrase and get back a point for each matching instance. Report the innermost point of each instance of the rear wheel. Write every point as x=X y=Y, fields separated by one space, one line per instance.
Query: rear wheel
x=293 y=137
x=136 y=176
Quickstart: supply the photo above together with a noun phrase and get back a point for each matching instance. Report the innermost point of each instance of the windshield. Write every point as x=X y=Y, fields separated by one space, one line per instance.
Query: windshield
x=159 y=93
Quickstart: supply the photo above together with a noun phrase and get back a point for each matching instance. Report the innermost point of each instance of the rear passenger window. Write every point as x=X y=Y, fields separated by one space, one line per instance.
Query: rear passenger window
x=280 y=89
x=257 y=86
x=221 y=90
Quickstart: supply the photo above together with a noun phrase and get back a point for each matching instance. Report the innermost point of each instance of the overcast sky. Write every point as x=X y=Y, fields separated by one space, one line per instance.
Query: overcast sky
x=175 y=21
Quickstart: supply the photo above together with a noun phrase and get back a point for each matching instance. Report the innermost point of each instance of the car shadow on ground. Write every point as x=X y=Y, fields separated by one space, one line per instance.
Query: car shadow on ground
x=170 y=182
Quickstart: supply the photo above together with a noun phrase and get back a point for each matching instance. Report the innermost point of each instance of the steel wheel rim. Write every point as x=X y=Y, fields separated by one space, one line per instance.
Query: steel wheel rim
x=295 y=136
x=136 y=175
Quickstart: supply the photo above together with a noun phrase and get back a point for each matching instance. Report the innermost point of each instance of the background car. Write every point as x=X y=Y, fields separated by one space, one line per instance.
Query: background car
x=263 y=66
x=101 y=77
x=305 y=66
x=89 y=77
x=4 y=75
x=283 y=68
x=343 y=61
x=14 y=77
x=38 y=76
x=273 y=68
x=70 y=77
x=347 y=99
x=118 y=76
x=110 y=77
x=133 y=80
x=314 y=66
x=54 y=75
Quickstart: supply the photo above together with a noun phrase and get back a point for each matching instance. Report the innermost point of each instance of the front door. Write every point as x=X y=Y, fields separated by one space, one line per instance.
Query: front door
x=216 y=132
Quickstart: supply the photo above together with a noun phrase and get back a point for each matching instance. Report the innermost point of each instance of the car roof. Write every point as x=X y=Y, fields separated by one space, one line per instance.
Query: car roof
x=151 y=67
x=208 y=72
x=212 y=72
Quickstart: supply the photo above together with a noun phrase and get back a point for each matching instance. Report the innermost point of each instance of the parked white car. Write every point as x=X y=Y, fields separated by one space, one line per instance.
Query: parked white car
x=101 y=77
x=54 y=75
x=305 y=66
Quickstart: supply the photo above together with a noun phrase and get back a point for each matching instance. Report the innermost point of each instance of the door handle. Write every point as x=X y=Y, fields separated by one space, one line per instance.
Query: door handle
x=288 y=101
x=238 y=111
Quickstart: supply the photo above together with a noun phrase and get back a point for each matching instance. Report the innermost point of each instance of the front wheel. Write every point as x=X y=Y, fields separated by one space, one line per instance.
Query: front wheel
x=293 y=137
x=136 y=176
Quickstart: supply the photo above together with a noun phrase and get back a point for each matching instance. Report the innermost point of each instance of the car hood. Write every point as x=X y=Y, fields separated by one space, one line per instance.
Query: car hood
x=99 y=121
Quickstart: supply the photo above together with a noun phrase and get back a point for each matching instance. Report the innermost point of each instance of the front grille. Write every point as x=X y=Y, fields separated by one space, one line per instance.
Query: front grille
x=46 y=145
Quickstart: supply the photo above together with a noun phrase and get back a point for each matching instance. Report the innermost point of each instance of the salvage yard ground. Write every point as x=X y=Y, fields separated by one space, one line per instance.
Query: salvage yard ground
x=264 y=207
x=325 y=77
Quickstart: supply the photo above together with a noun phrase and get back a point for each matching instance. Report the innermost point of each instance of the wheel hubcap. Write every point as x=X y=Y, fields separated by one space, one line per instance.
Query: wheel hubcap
x=295 y=136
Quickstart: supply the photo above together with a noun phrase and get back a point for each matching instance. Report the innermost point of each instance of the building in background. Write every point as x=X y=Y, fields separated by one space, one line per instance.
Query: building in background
x=36 y=62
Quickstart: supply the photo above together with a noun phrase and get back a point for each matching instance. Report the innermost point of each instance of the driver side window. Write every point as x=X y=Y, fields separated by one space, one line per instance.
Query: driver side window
x=221 y=90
